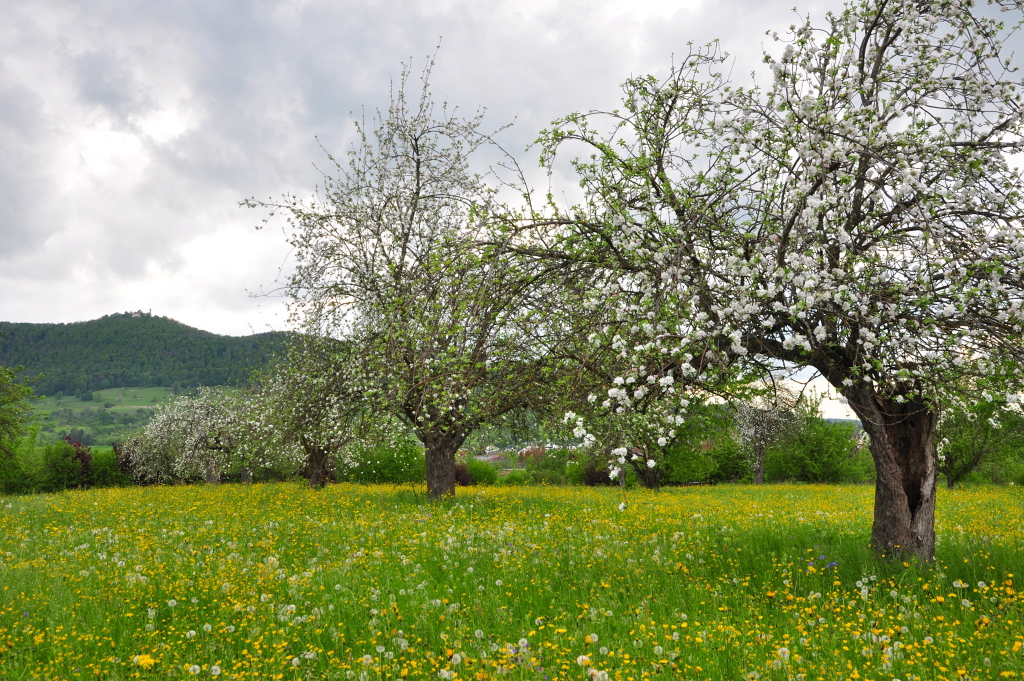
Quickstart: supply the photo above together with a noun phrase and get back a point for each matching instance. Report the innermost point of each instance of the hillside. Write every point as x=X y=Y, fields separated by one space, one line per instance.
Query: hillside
x=130 y=350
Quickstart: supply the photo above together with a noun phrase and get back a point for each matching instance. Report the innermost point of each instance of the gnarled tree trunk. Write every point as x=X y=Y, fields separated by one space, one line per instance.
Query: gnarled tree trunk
x=903 y=448
x=246 y=475
x=317 y=468
x=440 y=454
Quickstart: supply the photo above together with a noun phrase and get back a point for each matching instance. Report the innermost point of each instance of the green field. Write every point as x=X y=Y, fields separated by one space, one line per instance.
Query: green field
x=129 y=408
x=280 y=582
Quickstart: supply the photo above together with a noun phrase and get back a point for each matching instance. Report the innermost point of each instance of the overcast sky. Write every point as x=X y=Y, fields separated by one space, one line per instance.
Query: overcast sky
x=129 y=131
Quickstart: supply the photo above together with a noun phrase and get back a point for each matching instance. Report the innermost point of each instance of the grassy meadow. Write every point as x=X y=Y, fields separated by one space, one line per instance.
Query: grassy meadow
x=279 y=582
x=128 y=408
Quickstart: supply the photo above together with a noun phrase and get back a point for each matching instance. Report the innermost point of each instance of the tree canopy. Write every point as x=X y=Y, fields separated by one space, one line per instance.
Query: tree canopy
x=858 y=215
x=14 y=409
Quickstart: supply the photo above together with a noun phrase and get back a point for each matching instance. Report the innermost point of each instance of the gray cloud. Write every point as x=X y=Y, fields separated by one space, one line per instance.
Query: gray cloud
x=129 y=131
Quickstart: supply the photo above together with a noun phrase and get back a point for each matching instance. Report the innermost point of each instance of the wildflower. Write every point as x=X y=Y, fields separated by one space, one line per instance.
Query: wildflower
x=366 y=659
x=145 y=661
x=603 y=650
x=783 y=654
x=622 y=506
x=214 y=670
x=523 y=643
x=591 y=638
x=191 y=633
x=194 y=669
x=296 y=662
x=479 y=633
x=456 y=659
x=207 y=628
x=171 y=603
x=583 y=661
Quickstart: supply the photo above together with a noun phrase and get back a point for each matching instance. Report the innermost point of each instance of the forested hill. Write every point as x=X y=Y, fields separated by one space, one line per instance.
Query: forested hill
x=130 y=350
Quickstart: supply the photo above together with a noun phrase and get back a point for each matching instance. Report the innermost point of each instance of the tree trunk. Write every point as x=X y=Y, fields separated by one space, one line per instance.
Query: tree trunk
x=759 y=464
x=317 y=468
x=440 y=454
x=246 y=475
x=903 y=448
x=212 y=474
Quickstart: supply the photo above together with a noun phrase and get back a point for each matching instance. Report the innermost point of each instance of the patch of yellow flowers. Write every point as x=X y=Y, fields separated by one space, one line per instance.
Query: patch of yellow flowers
x=280 y=582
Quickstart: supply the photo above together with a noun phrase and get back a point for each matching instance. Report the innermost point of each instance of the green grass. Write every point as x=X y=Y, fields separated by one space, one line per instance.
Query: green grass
x=729 y=582
x=122 y=399
x=130 y=408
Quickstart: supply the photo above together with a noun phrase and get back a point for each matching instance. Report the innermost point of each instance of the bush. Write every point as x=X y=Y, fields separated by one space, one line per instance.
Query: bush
x=550 y=478
x=574 y=473
x=730 y=462
x=462 y=476
x=481 y=472
x=106 y=470
x=64 y=466
x=594 y=475
x=820 y=452
x=381 y=464
x=515 y=479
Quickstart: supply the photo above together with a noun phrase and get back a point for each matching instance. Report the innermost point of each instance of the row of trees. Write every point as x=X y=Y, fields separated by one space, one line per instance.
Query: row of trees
x=857 y=216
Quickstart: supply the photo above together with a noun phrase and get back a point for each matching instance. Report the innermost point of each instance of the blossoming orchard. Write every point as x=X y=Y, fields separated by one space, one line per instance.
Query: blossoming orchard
x=858 y=218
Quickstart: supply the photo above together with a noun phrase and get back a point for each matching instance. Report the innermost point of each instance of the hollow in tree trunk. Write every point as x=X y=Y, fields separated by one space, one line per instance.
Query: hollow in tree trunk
x=440 y=455
x=903 y=448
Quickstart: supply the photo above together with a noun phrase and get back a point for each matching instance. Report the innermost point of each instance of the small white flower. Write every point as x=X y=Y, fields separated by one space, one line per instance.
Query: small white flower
x=296 y=662
x=194 y=669
x=171 y=603
x=456 y=659
x=583 y=661
x=622 y=506
x=214 y=670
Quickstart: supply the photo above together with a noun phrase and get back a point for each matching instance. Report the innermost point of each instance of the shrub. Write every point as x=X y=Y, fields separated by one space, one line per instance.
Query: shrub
x=462 y=476
x=549 y=478
x=382 y=464
x=574 y=472
x=820 y=452
x=64 y=466
x=730 y=462
x=594 y=475
x=481 y=472
x=515 y=479
x=105 y=470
